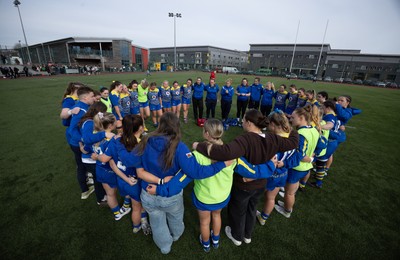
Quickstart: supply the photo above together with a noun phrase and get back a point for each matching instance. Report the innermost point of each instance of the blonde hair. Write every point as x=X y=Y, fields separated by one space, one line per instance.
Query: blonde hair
x=228 y=80
x=215 y=129
x=279 y=119
x=103 y=120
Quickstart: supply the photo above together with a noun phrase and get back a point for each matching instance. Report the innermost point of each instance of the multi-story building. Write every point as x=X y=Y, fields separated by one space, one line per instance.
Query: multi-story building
x=102 y=52
x=197 y=57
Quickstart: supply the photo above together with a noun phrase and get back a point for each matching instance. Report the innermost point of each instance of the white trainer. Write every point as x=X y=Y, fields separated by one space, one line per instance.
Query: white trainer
x=282 y=211
x=87 y=193
x=229 y=235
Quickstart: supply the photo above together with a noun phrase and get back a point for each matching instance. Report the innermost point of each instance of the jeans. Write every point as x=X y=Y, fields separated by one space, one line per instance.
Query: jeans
x=80 y=168
x=166 y=218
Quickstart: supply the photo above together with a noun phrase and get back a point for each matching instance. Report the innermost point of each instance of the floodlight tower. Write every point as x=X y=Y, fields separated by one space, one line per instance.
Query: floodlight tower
x=16 y=4
x=176 y=15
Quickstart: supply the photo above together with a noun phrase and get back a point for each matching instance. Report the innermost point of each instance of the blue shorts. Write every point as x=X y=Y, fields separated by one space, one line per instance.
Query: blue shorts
x=126 y=189
x=155 y=107
x=106 y=176
x=280 y=107
x=176 y=102
x=209 y=207
x=186 y=101
x=295 y=176
x=277 y=180
x=144 y=104
x=166 y=104
x=135 y=110
x=332 y=146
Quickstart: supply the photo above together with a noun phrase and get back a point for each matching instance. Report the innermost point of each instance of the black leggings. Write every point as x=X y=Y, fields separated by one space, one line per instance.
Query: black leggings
x=197 y=108
x=226 y=108
x=241 y=108
x=210 y=104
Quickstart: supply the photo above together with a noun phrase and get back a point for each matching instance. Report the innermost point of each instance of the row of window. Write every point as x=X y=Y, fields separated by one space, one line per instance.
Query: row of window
x=279 y=56
x=363 y=67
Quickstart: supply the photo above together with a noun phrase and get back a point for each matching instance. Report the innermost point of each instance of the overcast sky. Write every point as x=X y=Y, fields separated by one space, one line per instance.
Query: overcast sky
x=373 y=26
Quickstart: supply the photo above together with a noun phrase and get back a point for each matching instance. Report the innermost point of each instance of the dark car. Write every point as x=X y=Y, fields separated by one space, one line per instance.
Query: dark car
x=338 y=80
x=392 y=85
x=347 y=80
x=358 y=82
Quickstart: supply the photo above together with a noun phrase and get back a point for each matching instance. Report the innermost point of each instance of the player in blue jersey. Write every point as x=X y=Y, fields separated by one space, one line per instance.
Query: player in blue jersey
x=311 y=97
x=302 y=100
x=227 y=93
x=166 y=97
x=89 y=139
x=125 y=101
x=115 y=90
x=163 y=154
x=292 y=97
x=256 y=92
x=212 y=90
x=197 y=99
x=134 y=98
x=279 y=125
x=266 y=100
x=70 y=98
x=280 y=98
x=176 y=98
x=243 y=94
x=85 y=95
x=187 y=92
x=154 y=97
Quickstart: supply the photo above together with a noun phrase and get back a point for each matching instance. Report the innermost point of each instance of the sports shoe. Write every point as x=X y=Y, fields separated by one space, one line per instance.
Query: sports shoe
x=103 y=202
x=260 y=219
x=136 y=229
x=283 y=211
x=282 y=189
x=89 y=181
x=87 y=193
x=215 y=243
x=122 y=212
x=281 y=203
x=145 y=226
x=206 y=248
x=229 y=235
x=282 y=194
x=247 y=240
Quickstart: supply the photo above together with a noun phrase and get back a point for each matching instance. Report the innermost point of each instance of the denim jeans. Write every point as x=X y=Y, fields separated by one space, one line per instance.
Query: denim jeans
x=166 y=218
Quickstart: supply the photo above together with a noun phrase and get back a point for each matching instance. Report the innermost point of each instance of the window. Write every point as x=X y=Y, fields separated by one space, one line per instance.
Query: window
x=311 y=56
x=181 y=54
x=162 y=55
x=363 y=67
x=335 y=66
x=181 y=60
x=257 y=55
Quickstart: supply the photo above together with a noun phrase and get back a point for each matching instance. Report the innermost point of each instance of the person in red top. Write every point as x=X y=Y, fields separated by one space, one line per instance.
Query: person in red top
x=212 y=75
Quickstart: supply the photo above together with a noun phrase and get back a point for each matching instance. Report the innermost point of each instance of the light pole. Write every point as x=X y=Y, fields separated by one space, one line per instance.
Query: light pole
x=179 y=15
x=16 y=4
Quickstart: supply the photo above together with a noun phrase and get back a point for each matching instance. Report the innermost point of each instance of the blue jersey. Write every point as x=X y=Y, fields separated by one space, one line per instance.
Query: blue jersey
x=312 y=103
x=112 y=151
x=256 y=91
x=187 y=91
x=267 y=96
x=89 y=136
x=154 y=96
x=212 y=92
x=73 y=132
x=242 y=90
x=114 y=98
x=280 y=100
x=102 y=147
x=278 y=178
x=198 y=90
x=301 y=101
x=292 y=102
x=68 y=102
x=227 y=93
x=124 y=104
x=176 y=93
x=135 y=105
x=165 y=94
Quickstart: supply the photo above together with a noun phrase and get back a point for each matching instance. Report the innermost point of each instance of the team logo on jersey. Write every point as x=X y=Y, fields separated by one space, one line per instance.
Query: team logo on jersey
x=189 y=155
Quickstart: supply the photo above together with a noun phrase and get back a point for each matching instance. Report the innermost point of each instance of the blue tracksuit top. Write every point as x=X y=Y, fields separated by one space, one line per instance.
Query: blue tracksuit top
x=256 y=91
x=227 y=96
x=68 y=102
x=183 y=160
x=88 y=135
x=243 y=90
x=198 y=90
x=211 y=92
x=73 y=133
x=267 y=96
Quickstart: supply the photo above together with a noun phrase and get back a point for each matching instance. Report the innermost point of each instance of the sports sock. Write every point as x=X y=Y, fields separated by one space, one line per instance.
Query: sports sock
x=127 y=202
x=264 y=216
x=115 y=210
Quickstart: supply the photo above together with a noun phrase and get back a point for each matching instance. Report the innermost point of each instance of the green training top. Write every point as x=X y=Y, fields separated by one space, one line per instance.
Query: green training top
x=311 y=137
x=142 y=93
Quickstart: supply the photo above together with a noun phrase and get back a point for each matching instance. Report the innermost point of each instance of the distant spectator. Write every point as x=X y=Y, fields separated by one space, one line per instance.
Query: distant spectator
x=26 y=71
x=16 y=72
x=212 y=75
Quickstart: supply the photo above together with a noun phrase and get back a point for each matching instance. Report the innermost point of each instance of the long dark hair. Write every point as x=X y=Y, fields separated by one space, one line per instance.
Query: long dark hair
x=130 y=125
x=72 y=86
x=169 y=127
x=257 y=118
x=93 y=110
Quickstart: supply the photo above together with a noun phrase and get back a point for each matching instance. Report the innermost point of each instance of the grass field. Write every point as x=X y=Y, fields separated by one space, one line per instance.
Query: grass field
x=355 y=216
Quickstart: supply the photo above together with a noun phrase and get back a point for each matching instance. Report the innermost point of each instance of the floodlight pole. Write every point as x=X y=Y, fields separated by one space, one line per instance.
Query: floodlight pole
x=294 y=48
x=322 y=46
x=16 y=4
x=179 y=15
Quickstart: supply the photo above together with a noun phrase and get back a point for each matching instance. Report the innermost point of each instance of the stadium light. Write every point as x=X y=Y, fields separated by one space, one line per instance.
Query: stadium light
x=16 y=4
x=176 y=15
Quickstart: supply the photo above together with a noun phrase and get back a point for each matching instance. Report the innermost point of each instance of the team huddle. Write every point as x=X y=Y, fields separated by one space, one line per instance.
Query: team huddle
x=288 y=141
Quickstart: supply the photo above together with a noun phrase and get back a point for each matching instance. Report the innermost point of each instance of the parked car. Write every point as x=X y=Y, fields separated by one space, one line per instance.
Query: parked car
x=358 y=82
x=303 y=76
x=291 y=76
x=347 y=80
x=381 y=84
x=367 y=82
x=249 y=72
x=392 y=85
x=338 y=80
x=328 y=79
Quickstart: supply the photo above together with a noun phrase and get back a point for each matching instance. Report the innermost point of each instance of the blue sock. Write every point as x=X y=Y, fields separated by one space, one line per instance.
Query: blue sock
x=115 y=210
x=127 y=202
x=144 y=214
x=136 y=226
x=318 y=182
x=215 y=238
x=264 y=216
